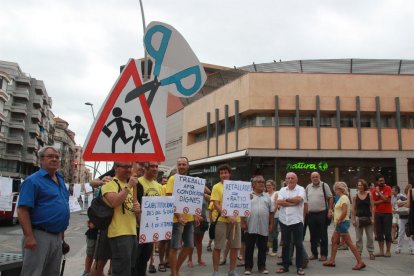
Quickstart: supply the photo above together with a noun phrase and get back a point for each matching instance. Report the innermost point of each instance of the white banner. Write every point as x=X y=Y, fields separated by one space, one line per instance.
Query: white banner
x=74 y=204
x=156 y=218
x=6 y=185
x=88 y=188
x=6 y=203
x=188 y=193
x=236 y=198
x=77 y=190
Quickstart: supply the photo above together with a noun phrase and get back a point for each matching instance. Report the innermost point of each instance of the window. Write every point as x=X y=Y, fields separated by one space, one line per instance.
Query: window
x=200 y=136
x=328 y=121
x=287 y=120
x=407 y=121
x=368 y=121
x=306 y=121
x=265 y=120
x=347 y=121
x=388 y=121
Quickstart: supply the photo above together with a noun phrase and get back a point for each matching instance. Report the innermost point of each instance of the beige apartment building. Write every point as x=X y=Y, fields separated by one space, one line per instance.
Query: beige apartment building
x=346 y=119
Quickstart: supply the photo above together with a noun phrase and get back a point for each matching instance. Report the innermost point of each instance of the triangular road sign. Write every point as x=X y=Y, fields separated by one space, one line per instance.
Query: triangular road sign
x=124 y=131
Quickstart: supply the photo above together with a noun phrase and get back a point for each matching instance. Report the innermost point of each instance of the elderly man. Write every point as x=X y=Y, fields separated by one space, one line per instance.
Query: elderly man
x=259 y=225
x=319 y=211
x=183 y=226
x=122 y=232
x=290 y=200
x=43 y=211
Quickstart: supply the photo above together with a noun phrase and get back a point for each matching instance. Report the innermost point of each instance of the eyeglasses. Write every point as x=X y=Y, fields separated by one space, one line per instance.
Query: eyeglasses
x=52 y=156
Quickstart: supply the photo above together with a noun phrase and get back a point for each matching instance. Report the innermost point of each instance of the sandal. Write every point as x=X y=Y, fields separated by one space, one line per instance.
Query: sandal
x=202 y=263
x=300 y=271
x=151 y=269
x=359 y=266
x=162 y=268
x=209 y=248
x=371 y=256
x=387 y=255
x=190 y=264
x=281 y=270
x=330 y=264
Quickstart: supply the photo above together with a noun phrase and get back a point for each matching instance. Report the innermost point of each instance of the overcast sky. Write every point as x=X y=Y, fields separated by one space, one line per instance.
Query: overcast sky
x=77 y=46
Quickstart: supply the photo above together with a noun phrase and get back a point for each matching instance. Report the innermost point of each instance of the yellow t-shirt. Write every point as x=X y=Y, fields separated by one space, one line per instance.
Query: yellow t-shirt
x=169 y=190
x=122 y=223
x=338 y=208
x=217 y=195
x=151 y=188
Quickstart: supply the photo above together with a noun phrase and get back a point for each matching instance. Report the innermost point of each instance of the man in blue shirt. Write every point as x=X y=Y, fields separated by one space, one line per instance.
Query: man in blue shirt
x=43 y=211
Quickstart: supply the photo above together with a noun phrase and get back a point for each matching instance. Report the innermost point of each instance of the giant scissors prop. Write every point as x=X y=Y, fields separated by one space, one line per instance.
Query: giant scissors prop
x=158 y=56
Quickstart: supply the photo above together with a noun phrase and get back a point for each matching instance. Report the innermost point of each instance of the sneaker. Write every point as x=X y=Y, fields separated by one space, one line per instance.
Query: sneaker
x=215 y=273
x=151 y=269
x=247 y=272
x=85 y=274
x=397 y=251
x=273 y=254
x=264 y=271
x=233 y=273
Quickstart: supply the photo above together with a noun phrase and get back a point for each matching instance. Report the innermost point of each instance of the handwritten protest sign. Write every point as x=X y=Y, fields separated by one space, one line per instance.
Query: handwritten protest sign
x=236 y=198
x=74 y=204
x=188 y=193
x=156 y=218
x=6 y=203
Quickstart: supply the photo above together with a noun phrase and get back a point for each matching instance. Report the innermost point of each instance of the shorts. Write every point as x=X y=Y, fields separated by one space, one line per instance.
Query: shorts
x=103 y=250
x=90 y=247
x=395 y=218
x=343 y=227
x=226 y=231
x=182 y=235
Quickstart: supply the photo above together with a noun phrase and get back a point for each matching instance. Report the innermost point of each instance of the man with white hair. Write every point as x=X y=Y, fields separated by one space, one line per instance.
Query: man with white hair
x=291 y=201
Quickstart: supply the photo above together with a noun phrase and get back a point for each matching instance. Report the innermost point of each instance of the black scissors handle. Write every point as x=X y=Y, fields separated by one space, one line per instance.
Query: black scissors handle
x=138 y=91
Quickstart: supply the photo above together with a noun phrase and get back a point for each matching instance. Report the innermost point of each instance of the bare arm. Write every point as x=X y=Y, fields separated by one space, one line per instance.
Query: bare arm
x=99 y=182
x=372 y=207
x=26 y=224
x=344 y=209
x=354 y=209
x=116 y=199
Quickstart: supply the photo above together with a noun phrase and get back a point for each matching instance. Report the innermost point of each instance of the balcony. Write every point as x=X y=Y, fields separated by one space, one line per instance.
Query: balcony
x=2 y=117
x=3 y=95
x=38 y=101
x=13 y=155
x=15 y=140
x=20 y=124
x=21 y=92
x=40 y=87
x=23 y=79
x=34 y=128
x=30 y=158
x=32 y=143
x=19 y=108
x=35 y=115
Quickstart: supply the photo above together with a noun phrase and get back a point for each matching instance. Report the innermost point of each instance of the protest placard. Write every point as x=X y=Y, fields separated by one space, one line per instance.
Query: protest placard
x=156 y=218
x=236 y=198
x=74 y=204
x=6 y=203
x=188 y=193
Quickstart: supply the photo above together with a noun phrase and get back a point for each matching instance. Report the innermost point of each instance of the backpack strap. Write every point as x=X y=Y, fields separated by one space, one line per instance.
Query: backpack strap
x=119 y=190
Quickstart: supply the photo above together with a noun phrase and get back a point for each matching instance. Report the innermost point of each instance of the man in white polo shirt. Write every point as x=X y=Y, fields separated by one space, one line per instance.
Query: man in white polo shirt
x=290 y=200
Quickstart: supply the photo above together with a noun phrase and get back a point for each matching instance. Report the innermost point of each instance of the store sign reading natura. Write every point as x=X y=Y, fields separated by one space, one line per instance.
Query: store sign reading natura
x=321 y=166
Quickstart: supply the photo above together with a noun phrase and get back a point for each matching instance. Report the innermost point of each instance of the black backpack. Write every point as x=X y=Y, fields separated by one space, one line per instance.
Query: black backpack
x=100 y=213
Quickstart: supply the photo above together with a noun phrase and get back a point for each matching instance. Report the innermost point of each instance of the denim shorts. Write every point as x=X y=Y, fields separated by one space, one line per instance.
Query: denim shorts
x=182 y=235
x=343 y=227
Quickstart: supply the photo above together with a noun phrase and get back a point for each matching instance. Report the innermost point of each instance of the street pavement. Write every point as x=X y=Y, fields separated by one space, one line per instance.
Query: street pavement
x=401 y=264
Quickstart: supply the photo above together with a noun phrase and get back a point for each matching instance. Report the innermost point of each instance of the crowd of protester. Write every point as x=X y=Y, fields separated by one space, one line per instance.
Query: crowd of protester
x=377 y=212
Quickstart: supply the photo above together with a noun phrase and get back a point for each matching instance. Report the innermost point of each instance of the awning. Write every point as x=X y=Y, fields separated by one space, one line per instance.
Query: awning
x=219 y=158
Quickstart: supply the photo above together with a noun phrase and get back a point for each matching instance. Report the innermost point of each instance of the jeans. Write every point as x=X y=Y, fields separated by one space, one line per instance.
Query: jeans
x=261 y=242
x=295 y=232
x=275 y=235
x=318 y=232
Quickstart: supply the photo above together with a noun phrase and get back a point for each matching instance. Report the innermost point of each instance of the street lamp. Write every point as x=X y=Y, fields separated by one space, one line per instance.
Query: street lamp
x=95 y=167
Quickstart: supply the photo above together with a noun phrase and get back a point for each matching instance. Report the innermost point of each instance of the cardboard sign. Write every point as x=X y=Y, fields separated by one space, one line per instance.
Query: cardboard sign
x=74 y=204
x=189 y=194
x=236 y=198
x=156 y=218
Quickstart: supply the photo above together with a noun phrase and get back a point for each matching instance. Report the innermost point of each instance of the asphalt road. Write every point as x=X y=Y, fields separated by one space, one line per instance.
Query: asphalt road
x=402 y=264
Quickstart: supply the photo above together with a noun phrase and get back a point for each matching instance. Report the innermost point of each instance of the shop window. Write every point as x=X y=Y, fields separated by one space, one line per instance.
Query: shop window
x=368 y=121
x=388 y=121
x=287 y=120
x=347 y=121
x=306 y=121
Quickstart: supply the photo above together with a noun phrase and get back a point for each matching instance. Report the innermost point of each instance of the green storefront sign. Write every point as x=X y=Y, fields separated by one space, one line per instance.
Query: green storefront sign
x=320 y=166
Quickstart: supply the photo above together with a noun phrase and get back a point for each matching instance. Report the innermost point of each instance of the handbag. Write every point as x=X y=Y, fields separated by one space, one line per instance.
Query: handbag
x=212 y=229
x=364 y=221
x=204 y=226
x=402 y=211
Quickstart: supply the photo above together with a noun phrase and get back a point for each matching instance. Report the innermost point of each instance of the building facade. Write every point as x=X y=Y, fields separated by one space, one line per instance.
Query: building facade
x=346 y=119
x=65 y=143
x=82 y=173
x=25 y=124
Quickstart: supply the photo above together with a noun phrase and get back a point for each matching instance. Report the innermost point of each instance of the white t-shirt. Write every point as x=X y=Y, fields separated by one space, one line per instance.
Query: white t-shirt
x=272 y=197
x=292 y=214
